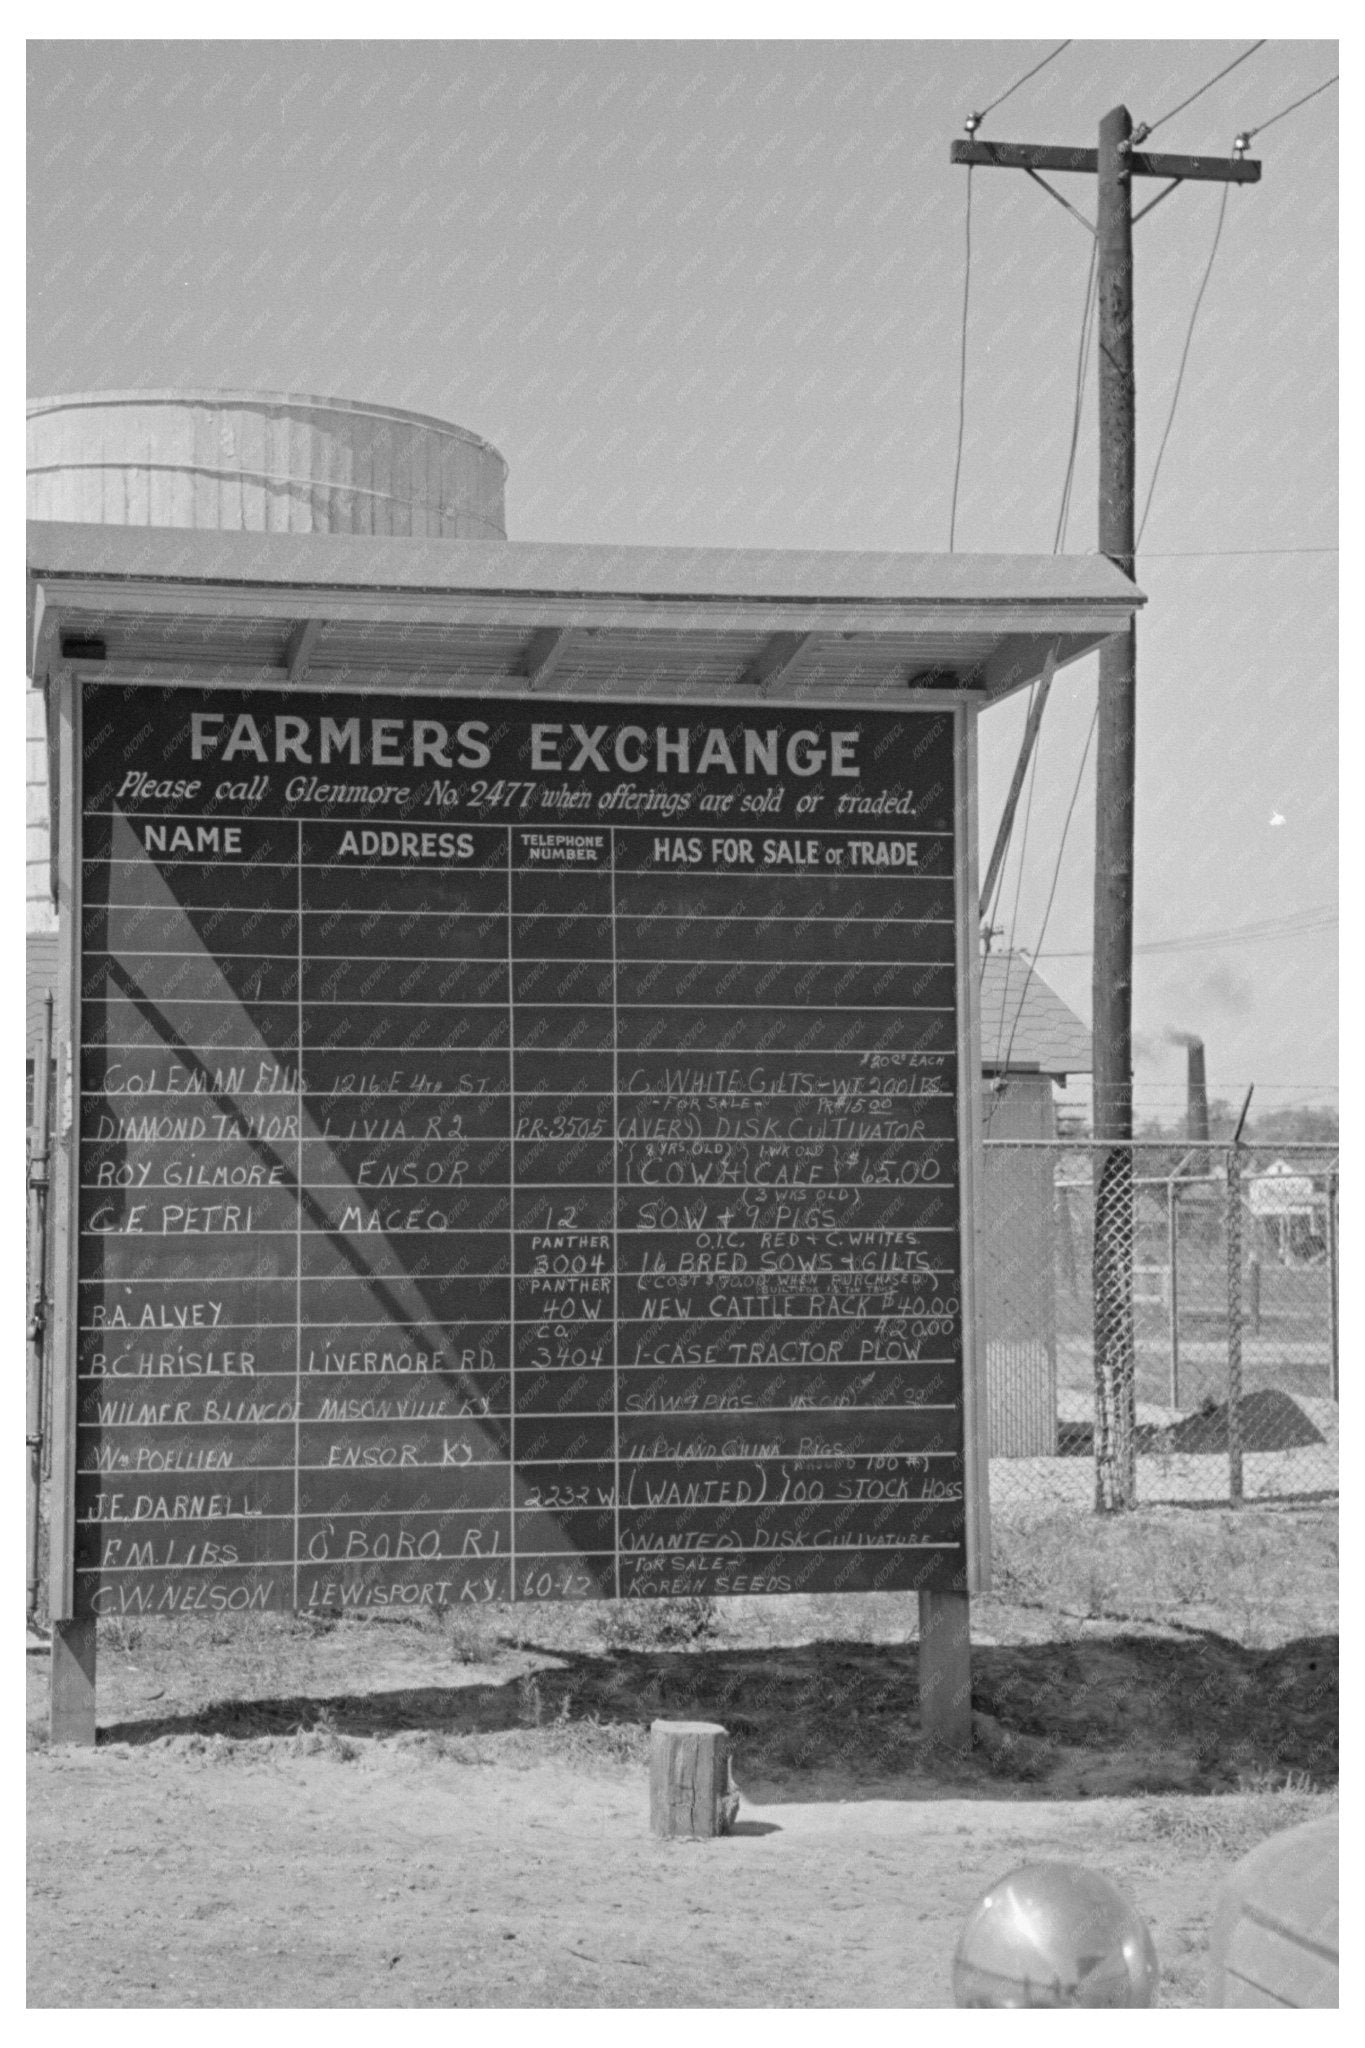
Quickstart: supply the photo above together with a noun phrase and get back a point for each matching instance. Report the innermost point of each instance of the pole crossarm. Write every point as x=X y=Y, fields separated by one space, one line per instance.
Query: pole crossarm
x=1045 y=156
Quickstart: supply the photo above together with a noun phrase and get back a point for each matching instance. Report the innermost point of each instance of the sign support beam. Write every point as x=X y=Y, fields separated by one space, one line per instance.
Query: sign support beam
x=71 y=1710
x=72 y=1678
x=945 y=1666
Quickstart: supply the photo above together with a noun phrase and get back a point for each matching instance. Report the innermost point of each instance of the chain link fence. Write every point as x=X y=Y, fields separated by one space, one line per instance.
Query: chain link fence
x=1160 y=1322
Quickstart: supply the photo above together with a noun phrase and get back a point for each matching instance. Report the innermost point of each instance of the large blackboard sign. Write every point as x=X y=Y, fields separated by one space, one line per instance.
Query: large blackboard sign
x=518 y=1151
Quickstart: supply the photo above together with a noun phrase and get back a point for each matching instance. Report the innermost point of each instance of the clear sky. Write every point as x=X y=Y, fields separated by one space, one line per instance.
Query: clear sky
x=711 y=293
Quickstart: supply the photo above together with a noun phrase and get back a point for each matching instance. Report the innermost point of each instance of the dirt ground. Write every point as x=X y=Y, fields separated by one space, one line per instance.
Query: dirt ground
x=454 y=1812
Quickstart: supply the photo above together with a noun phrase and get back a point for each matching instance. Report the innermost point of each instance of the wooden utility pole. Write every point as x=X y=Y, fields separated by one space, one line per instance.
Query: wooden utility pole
x=1111 y=987
x=1115 y=164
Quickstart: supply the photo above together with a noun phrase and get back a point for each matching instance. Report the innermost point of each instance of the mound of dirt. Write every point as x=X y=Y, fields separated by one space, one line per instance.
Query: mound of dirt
x=1270 y=1421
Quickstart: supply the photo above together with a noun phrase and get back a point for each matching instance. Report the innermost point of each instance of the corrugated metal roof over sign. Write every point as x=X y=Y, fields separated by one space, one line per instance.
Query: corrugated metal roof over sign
x=237 y=607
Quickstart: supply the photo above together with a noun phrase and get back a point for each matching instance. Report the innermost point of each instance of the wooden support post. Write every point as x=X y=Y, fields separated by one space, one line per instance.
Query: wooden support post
x=945 y=1668
x=72 y=1699
x=691 y=1791
x=71 y=1713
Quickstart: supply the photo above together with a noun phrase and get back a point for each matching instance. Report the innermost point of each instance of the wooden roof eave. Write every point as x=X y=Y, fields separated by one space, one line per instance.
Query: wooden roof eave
x=137 y=583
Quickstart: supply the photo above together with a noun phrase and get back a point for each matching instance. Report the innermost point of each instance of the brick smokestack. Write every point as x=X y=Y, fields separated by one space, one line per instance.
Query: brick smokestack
x=1196 y=1087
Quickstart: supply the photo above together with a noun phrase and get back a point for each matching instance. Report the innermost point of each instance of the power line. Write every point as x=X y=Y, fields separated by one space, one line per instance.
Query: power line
x=1289 y=920
x=977 y=119
x=1209 y=554
x=1228 y=935
x=1018 y=887
x=1247 y=133
x=1088 y=305
x=1057 y=866
x=972 y=124
x=1082 y=358
x=1184 y=358
x=1147 y=128
x=962 y=370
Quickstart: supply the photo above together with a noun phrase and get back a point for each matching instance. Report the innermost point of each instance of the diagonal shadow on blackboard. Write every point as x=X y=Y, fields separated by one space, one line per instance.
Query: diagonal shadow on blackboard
x=308 y=1203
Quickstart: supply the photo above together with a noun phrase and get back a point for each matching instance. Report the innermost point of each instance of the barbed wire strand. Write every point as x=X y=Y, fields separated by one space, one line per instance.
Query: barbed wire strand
x=1172 y=1092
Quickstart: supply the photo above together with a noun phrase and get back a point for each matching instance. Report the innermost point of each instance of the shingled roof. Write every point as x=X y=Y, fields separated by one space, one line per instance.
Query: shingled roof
x=1025 y=1025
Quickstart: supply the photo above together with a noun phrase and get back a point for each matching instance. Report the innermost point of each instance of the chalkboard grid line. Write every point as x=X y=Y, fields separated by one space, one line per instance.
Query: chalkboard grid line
x=527 y=959
x=711 y=1454
x=666 y=1189
x=615 y=1232
x=686 y=1009
x=529 y=1230
x=359 y=1098
x=298 y=1237
x=653 y=915
x=345 y=817
x=270 y=1564
x=511 y=1242
x=114 y=1390
x=562 y=918
x=736 y=1417
x=414 y=1052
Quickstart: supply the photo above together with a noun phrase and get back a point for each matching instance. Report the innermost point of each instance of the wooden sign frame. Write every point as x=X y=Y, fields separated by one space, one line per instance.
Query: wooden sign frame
x=944 y=1616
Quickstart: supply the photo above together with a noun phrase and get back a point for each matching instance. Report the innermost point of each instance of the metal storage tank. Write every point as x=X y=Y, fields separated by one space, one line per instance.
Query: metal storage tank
x=243 y=461
x=260 y=462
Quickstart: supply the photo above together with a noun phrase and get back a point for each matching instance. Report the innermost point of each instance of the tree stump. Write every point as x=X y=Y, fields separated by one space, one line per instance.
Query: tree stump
x=691 y=1791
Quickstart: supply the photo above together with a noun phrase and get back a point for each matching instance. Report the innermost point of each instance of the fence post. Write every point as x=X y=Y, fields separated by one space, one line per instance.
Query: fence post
x=1332 y=1269
x=1234 y=1226
x=1115 y=1374
x=1173 y=1264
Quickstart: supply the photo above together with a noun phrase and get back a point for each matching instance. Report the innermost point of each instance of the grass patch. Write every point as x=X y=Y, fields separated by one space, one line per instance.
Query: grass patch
x=1230 y=1826
x=1254 y=1565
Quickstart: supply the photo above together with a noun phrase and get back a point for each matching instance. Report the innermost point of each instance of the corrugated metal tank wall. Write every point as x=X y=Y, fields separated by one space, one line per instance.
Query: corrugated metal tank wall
x=243 y=462
x=260 y=462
